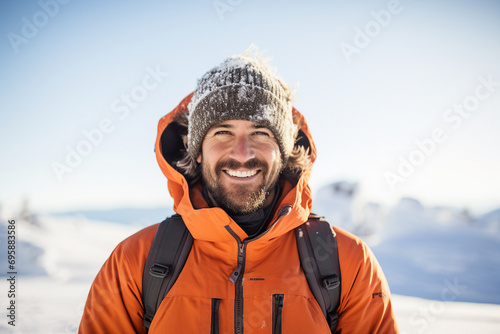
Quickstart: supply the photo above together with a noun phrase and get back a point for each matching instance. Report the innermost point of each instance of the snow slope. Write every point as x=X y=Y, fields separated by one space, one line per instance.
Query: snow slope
x=56 y=264
x=426 y=262
x=60 y=257
x=416 y=315
x=423 y=250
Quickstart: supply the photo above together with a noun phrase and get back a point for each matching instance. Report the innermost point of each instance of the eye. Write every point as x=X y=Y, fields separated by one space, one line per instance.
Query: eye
x=222 y=132
x=262 y=133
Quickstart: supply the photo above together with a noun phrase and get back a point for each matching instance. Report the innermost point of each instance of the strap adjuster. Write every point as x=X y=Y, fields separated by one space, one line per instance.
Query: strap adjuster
x=331 y=282
x=159 y=270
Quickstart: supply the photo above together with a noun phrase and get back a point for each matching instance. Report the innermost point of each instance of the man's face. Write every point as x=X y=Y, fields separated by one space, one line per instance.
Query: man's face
x=241 y=163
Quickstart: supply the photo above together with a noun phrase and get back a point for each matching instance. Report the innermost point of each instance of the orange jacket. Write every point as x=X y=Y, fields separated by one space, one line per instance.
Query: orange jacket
x=270 y=266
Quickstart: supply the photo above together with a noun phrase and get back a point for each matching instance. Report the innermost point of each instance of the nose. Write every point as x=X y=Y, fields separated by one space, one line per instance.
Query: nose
x=242 y=149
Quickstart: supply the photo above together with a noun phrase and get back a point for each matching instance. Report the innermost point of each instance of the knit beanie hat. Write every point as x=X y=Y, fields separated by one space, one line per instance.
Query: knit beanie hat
x=241 y=88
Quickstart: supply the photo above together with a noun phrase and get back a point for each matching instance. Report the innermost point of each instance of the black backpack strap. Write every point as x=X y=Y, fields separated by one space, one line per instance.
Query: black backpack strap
x=317 y=246
x=166 y=258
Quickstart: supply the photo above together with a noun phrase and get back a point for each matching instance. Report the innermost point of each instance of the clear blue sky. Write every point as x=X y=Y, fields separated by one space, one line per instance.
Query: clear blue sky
x=374 y=77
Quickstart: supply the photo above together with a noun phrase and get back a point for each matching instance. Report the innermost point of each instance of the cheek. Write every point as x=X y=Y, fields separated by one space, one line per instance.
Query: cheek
x=211 y=153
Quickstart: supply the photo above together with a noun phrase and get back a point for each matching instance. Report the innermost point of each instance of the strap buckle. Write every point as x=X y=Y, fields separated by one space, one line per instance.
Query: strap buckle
x=159 y=270
x=331 y=282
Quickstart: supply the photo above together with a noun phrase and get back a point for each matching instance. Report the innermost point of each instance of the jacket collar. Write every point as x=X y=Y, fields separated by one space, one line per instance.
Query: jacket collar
x=211 y=224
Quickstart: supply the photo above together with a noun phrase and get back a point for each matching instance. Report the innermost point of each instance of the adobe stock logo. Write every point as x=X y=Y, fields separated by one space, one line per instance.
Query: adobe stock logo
x=371 y=30
x=222 y=7
x=421 y=319
x=31 y=26
x=454 y=116
x=122 y=108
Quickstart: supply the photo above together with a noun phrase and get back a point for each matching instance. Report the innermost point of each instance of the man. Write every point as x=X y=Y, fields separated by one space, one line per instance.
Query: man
x=238 y=157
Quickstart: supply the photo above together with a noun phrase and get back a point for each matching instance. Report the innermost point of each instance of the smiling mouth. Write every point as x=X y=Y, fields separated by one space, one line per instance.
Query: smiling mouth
x=242 y=173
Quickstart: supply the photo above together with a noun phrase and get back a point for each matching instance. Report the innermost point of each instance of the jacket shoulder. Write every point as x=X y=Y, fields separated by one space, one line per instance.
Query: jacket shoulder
x=364 y=288
x=356 y=258
x=134 y=249
x=351 y=245
x=114 y=302
x=139 y=241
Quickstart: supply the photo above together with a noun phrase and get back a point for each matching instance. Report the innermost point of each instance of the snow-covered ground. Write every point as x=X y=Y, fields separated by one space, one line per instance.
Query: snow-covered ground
x=441 y=266
x=425 y=251
x=56 y=263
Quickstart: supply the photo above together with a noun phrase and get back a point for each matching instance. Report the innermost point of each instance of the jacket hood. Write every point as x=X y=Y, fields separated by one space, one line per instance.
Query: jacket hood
x=214 y=224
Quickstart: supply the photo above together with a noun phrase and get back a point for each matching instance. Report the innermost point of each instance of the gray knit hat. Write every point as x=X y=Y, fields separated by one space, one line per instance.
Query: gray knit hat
x=241 y=88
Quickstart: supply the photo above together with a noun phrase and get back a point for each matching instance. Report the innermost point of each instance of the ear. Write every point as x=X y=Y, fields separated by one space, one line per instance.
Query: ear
x=198 y=160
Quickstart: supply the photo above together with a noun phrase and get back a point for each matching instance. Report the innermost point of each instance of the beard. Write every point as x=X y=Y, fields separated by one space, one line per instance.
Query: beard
x=244 y=198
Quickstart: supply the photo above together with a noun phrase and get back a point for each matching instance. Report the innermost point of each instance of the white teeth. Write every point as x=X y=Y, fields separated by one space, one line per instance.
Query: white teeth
x=238 y=173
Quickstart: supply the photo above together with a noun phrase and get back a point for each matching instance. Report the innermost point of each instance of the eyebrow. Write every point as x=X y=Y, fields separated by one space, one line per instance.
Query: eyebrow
x=229 y=126
x=224 y=126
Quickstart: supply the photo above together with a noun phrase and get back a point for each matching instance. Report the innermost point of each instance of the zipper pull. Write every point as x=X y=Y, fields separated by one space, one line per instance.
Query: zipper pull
x=241 y=252
x=234 y=276
x=284 y=211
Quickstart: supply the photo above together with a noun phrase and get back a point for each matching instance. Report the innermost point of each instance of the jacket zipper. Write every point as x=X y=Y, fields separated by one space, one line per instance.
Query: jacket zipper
x=237 y=275
x=277 y=311
x=214 y=327
x=237 y=279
